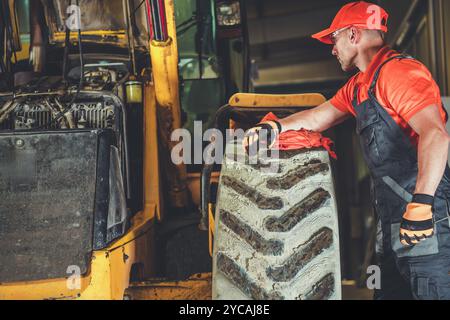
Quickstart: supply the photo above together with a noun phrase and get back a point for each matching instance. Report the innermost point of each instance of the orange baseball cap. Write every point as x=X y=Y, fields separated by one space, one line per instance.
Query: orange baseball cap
x=359 y=14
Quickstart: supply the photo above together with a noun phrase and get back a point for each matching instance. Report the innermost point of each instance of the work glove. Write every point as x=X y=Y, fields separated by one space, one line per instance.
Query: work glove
x=417 y=222
x=263 y=136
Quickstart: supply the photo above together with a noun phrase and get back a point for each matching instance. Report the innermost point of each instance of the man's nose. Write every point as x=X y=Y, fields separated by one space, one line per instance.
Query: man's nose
x=334 y=51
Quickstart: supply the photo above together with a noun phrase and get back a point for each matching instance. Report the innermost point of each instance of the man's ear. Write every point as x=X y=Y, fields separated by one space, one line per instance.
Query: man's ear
x=355 y=35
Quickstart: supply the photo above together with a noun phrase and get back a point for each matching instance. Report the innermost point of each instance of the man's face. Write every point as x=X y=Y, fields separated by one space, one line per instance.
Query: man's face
x=344 y=49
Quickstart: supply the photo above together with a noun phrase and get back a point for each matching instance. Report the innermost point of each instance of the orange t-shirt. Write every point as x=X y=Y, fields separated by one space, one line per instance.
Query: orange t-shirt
x=404 y=87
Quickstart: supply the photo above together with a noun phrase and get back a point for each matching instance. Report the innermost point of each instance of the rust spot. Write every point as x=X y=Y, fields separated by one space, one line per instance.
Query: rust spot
x=322 y=290
x=298 y=174
x=240 y=279
x=262 y=201
x=252 y=237
x=165 y=121
x=315 y=245
x=298 y=212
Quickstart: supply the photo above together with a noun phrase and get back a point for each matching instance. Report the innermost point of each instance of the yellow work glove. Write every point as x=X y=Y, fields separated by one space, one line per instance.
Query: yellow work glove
x=263 y=136
x=417 y=222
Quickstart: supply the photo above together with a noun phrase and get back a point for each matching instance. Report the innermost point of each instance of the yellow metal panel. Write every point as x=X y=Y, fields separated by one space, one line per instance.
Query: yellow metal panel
x=108 y=275
x=276 y=100
x=121 y=261
x=95 y=285
x=211 y=228
x=164 y=57
x=23 y=54
x=152 y=192
x=45 y=289
x=111 y=268
x=106 y=35
x=100 y=282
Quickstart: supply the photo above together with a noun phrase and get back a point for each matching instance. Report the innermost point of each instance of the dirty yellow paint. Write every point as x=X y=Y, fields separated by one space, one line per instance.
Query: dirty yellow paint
x=108 y=274
x=276 y=100
x=197 y=287
x=106 y=35
x=211 y=228
x=164 y=59
x=152 y=192
x=109 y=271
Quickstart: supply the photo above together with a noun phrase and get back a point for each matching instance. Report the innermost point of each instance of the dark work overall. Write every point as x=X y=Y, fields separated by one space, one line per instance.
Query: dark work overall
x=421 y=271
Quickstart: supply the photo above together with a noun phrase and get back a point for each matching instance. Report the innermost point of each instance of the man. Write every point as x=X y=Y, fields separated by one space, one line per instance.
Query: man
x=401 y=125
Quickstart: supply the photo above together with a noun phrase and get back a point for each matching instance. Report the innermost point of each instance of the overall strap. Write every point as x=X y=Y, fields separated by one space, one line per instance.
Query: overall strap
x=375 y=77
x=377 y=72
x=355 y=95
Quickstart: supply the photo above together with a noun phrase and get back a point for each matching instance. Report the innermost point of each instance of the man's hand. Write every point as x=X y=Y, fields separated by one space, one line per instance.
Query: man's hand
x=262 y=136
x=417 y=222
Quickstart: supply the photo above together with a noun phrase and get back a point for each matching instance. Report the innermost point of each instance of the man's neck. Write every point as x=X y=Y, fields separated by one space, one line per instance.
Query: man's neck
x=366 y=56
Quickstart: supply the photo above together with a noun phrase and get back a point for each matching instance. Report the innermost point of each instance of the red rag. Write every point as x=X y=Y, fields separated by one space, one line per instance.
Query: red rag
x=291 y=140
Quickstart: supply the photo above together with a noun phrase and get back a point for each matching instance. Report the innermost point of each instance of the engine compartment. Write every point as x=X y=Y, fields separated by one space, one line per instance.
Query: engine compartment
x=67 y=174
x=52 y=119
x=45 y=113
x=55 y=103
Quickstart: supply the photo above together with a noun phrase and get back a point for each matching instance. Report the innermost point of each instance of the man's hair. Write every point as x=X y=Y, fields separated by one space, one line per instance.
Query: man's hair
x=376 y=33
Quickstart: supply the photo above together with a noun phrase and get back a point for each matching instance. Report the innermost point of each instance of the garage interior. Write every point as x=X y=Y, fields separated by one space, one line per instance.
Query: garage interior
x=147 y=225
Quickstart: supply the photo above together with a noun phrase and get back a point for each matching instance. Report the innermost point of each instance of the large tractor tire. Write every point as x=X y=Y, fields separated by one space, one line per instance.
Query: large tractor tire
x=276 y=234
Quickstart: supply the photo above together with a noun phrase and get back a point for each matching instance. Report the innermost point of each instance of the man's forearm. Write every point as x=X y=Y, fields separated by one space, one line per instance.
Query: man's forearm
x=317 y=119
x=299 y=120
x=432 y=156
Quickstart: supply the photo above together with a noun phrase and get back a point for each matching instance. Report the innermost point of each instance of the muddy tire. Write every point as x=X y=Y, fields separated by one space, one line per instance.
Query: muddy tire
x=276 y=234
